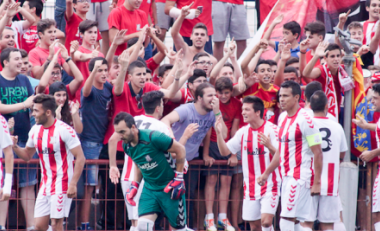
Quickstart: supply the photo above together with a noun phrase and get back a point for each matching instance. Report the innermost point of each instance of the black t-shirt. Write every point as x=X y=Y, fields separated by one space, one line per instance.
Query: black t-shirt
x=367 y=59
x=17 y=91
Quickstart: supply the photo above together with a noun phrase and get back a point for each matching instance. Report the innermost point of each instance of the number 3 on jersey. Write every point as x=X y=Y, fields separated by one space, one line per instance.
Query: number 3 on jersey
x=140 y=122
x=326 y=133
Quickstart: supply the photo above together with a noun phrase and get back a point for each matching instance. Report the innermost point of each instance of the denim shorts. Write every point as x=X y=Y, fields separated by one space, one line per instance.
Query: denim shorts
x=26 y=173
x=91 y=151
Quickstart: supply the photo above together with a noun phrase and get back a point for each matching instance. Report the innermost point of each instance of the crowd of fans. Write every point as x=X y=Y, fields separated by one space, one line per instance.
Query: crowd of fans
x=98 y=58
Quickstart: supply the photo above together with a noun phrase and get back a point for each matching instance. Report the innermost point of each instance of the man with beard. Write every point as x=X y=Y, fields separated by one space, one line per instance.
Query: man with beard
x=57 y=145
x=203 y=111
x=198 y=36
x=147 y=149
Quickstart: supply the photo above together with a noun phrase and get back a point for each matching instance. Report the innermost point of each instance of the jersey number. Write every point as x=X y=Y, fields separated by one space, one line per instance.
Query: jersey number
x=140 y=122
x=326 y=139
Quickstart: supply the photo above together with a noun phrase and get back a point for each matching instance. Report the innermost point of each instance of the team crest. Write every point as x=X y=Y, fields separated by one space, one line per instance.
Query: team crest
x=147 y=158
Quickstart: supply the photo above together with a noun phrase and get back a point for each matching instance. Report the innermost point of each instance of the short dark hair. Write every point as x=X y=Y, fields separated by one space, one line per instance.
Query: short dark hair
x=132 y=41
x=368 y=3
x=126 y=117
x=36 y=4
x=163 y=68
x=45 y=24
x=296 y=88
x=291 y=70
x=200 y=54
x=228 y=64
x=86 y=25
x=316 y=27
x=151 y=100
x=47 y=101
x=91 y=64
x=6 y=53
x=148 y=71
x=135 y=64
x=264 y=61
x=376 y=88
x=257 y=104
x=23 y=53
x=311 y=88
x=318 y=101
x=224 y=83
x=6 y=28
x=271 y=62
x=354 y=25
x=294 y=27
x=200 y=90
x=292 y=60
x=196 y=74
x=333 y=46
x=115 y=59
x=200 y=25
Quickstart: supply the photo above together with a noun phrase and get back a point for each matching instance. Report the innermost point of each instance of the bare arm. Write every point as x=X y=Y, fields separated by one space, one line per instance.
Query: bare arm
x=269 y=31
x=285 y=56
x=235 y=127
x=177 y=38
x=119 y=83
x=318 y=161
x=218 y=67
x=29 y=19
x=342 y=20
x=138 y=175
x=24 y=153
x=180 y=152
x=90 y=80
x=117 y=40
x=69 y=9
x=8 y=154
x=223 y=149
x=247 y=60
x=374 y=44
x=44 y=81
x=170 y=119
x=78 y=169
x=311 y=72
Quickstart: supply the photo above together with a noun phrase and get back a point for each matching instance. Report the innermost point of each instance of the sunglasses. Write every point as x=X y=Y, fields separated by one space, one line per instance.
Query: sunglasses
x=139 y=103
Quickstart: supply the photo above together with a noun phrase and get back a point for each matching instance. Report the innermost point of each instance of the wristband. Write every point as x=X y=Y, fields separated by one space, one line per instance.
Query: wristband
x=24 y=106
x=217 y=114
x=179 y=175
x=68 y=59
x=7 y=184
x=175 y=13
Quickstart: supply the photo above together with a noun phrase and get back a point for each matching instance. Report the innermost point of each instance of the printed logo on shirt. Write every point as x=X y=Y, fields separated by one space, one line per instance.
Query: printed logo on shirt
x=13 y=95
x=148 y=166
x=257 y=151
x=284 y=140
x=147 y=158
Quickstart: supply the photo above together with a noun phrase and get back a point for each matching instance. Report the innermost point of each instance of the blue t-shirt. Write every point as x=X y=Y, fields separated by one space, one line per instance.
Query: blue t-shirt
x=17 y=91
x=94 y=110
x=294 y=52
x=187 y=115
x=34 y=82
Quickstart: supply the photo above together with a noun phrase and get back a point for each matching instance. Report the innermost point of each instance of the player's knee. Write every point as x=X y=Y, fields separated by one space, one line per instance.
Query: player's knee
x=212 y=179
x=41 y=227
x=56 y=224
x=266 y=220
x=144 y=224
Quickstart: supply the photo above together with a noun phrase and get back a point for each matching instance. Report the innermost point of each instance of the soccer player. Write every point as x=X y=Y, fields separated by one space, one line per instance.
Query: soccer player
x=163 y=188
x=299 y=148
x=5 y=151
x=369 y=155
x=57 y=145
x=258 y=142
x=310 y=89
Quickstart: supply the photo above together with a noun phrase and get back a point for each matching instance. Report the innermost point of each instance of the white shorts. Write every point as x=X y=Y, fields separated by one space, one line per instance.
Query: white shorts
x=252 y=209
x=376 y=195
x=325 y=208
x=57 y=206
x=133 y=212
x=296 y=201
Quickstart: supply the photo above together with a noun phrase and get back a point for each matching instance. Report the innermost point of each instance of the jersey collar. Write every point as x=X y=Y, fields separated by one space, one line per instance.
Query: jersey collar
x=132 y=92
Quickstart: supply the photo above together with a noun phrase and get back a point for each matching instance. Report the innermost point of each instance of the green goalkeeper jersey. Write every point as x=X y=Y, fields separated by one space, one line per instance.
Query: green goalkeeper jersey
x=149 y=156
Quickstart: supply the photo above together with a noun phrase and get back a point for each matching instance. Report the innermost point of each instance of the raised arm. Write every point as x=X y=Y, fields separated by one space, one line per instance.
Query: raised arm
x=161 y=48
x=311 y=72
x=285 y=56
x=124 y=63
x=118 y=40
x=75 y=84
x=90 y=80
x=302 y=59
x=342 y=21
x=39 y=70
x=44 y=81
x=69 y=9
x=177 y=38
x=215 y=71
x=269 y=31
x=29 y=19
x=249 y=62
x=374 y=44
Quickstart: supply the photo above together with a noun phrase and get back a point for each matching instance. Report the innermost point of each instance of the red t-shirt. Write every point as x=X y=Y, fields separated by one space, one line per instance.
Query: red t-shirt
x=127 y=102
x=230 y=111
x=309 y=57
x=72 y=30
x=92 y=1
x=71 y=97
x=146 y=6
x=204 y=17
x=322 y=80
x=38 y=56
x=163 y=1
x=268 y=96
x=83 y=67
x=237 y=2
x=28 y=39
x=151 y=64
x=121 y=18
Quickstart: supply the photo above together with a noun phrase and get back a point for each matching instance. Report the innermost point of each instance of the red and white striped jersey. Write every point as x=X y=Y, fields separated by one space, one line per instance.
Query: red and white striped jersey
x=255 y=159
x=333 y=143
x=378 y=134
x=53 y=147
x=296 y=135
x=142 y=122
x=369 y=29
x=5 y=141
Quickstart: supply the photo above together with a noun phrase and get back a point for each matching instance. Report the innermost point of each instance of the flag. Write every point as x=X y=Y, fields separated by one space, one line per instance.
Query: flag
x=361 y=138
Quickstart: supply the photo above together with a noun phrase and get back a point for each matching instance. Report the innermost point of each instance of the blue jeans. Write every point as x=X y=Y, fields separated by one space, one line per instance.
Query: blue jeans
x=148 y=52
x=26 y=173
x=59 y=15
x=91 y=151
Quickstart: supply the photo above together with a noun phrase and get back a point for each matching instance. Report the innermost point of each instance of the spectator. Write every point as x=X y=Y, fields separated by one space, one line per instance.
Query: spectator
x=203 y=111
x=16 y=97
x=26 y=69
x=163 y=72
x=164 y=21
x=230 y=108
x=369 y=26
x=229 y=17
x=198 y=36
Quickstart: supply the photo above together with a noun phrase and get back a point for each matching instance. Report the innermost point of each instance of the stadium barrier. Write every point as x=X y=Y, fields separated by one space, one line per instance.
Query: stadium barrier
x=108 y=210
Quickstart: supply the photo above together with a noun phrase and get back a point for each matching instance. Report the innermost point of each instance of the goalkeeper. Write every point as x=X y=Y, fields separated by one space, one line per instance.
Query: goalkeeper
x=163 y=190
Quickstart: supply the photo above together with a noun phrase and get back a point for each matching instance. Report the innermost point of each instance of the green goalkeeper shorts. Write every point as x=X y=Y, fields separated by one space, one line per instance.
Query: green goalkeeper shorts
x=158 y=201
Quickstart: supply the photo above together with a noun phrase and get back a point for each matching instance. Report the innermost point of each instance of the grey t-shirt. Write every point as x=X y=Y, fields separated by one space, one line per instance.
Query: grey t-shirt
x=187 y=115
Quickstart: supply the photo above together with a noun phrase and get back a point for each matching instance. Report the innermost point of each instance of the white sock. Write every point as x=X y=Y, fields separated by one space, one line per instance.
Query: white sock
x=339 y=226
x=286 y=225
x=30 y=228
x=270 y=228
x=133 y=228
x=222 y=216
x=209 y=216
x=50 y=228
x=377 y=226
x=298 y=227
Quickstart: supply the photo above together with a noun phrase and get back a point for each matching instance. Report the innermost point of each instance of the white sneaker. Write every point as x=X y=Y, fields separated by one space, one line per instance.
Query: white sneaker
x=225 y=225
x=209 y=225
